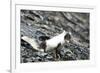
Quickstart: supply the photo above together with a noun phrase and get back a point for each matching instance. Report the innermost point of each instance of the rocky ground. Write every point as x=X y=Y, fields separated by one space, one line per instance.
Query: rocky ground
x=50 y=23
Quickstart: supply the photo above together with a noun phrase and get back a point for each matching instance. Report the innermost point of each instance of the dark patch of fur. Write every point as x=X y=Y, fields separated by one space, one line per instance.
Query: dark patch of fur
x=43 y=38
x=43 y=46
x=56 y=50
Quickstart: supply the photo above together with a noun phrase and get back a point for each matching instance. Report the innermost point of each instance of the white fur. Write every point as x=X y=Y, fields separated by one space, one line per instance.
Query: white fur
x=53 y=42
x=32 y=42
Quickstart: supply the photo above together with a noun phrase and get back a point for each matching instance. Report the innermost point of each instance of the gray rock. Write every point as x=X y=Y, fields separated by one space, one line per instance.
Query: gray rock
x=40 y=23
